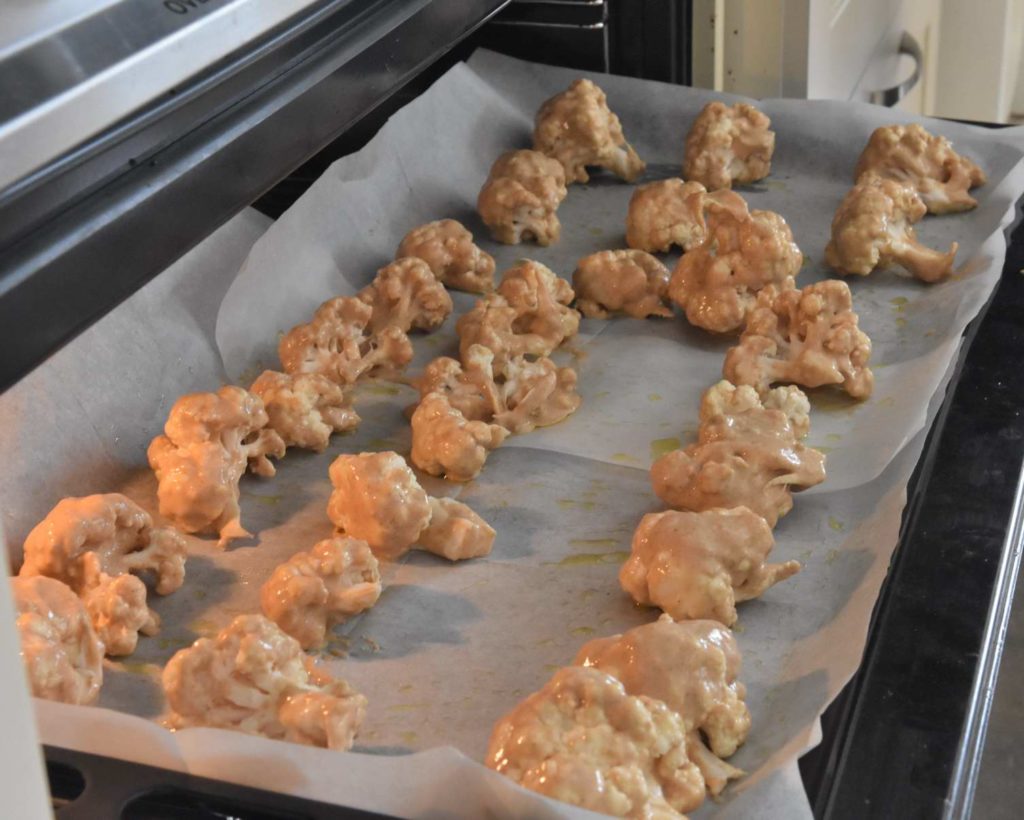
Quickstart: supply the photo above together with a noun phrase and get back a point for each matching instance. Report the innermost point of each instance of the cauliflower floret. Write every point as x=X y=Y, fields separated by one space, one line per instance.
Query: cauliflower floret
x=210 y=439
x=633 y=282
x=489 y=324
x=926 y=162
x=455 y=531
x=697 y=565
x=717 y=282
x=62 y=656
x=807 y=337
x=873 y=227
x=520 y=198
x=406 y=295
x=728 y=144
x=536 y=394
x=541 y=301
x=312 y=591
x=445 y=444
x=665 y=213
x=470 y=388
x=578 y=129
x=582 y=740
x=117 y=608
x=305 y=408
x=337 y=344
x=691 y=666
x=254 y=678
x=448 y=248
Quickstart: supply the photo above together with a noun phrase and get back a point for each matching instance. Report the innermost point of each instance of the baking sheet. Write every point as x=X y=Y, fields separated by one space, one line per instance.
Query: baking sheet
x=450 y=648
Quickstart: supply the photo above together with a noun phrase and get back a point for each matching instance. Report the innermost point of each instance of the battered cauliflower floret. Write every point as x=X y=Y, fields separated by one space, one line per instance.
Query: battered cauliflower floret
x=717 y=282
x=536 y=394
x=924 y=161
x=665 y=213
x=456 y=532
x=582 y=740
x=692 y=667
x=406 y=295
x=632 y=282
x=578 y=129
x=725 y=403
x=697 y=565
x=448 y=249
x=312 y=591
x=807 y=337
x=62 y=656
x=304 y=409
x=874 y=227
x=469 y=386
x=728 y=144
x=338 y=344
x=489 y=324
x=254 y=678
x=445 y=443
x=541 y=301
x=118 y=610
x=520 y=198
x=210 y=439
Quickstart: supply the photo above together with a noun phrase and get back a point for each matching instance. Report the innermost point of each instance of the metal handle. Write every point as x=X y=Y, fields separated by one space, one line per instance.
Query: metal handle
x=891 y=96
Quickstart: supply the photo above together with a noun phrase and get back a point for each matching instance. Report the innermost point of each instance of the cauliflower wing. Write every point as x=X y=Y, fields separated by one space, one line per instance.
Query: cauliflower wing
x=924 y=161
x=728 y=144
x=541 y=302
x=448 y=249
x=469 y=386
x=521 y=196
x=304 y=409
x=118 y=610
x=578 y=129
x=665 y=213
x=489 y=324
x=536 y=394
x=445 y=443
x=456 y=532
x=633 y=282
x=406 y=295
x=696 y=565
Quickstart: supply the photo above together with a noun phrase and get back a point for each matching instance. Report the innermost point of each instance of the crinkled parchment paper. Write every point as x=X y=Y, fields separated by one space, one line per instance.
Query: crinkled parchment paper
x=449 y=649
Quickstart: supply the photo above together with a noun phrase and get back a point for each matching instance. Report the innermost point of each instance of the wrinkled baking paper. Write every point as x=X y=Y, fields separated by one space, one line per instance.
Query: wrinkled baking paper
x=449 y=649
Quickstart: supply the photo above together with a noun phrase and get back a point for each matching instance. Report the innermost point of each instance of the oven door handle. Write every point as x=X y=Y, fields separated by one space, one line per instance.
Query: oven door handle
x=891 y=96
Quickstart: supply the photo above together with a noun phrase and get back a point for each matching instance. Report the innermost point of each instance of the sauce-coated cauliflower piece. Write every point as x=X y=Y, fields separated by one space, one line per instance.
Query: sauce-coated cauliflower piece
x=717 y=282
x=541 y=301
x=304 y=409
x=445 y=443
x=489 y=324
x=118 y=610
x=665 y=213
x=312 y=591
x=254 y=678
x=469 y=386
x=520 y=198
x=406 y=294
x=926 y=162
x=338 y=344
x=747 y=454
x=692 y=667
x=582 y=740
x=633 y=282
x=448 y=248
x=700 y=564
x=210 y=439
x=62 y=656
x=578 y=129
x=874 y=227
x=728 y=144
x=536 y=394
x=455 y=531
x=808 y=337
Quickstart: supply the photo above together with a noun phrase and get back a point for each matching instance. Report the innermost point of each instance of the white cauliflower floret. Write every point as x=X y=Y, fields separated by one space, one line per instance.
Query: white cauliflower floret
x=117 y=608
x=728 y=144
x=807 y=337
x=520 y=198
x=541 y=301
x=717 y=282
x=665 y=213
x=700 y=564
x=312 y=591
x=926 y=162
x=254 y=678
x=536 y=394
x=406 y=295
x=873 y=227
x=338 y=344
x=445 y=443
x=448 y=249
x=692 y=667
x=456 y=532
x=210 y=439
x=62 y=656
x=304 y=409
x=633 y=282
x=578 y=129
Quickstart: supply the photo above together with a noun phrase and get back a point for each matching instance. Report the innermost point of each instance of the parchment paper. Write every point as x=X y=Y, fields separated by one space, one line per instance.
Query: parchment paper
x=449 y=649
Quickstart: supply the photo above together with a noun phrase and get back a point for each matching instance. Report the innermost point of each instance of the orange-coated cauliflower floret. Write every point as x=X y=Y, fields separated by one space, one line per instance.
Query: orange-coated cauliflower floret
x=633 y=282
x=305 y=408
x=456 y=532
x=118 y=610
x=448 y=248
x=541 y=301
x=489 y=324
x=728 y=144
x=520 y=198
x=665 y=213
x=406 y=295
x=445 y=443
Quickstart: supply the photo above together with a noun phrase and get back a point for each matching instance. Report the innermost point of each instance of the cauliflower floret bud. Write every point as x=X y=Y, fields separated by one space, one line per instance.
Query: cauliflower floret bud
x=312 y=591
x=541 y=301
x=807 y=337
x=578 y=129
x=717 y=282
x=924 y=161
x=337 y=344
x=536 y=394
x=873 y=227
x=489 y=324
x=728 y=144
x=665 y=213
x=62 y=656
x=455 y=531
x=448 y=248
x=692 y=667
x=210 y=439
x=469 y=386
x=406 y=295
x=305 y=408
x=697 y=565
x=633 y=282
x=445 y=444
x=117 y=607
x=520 y=198
x=254 y=678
